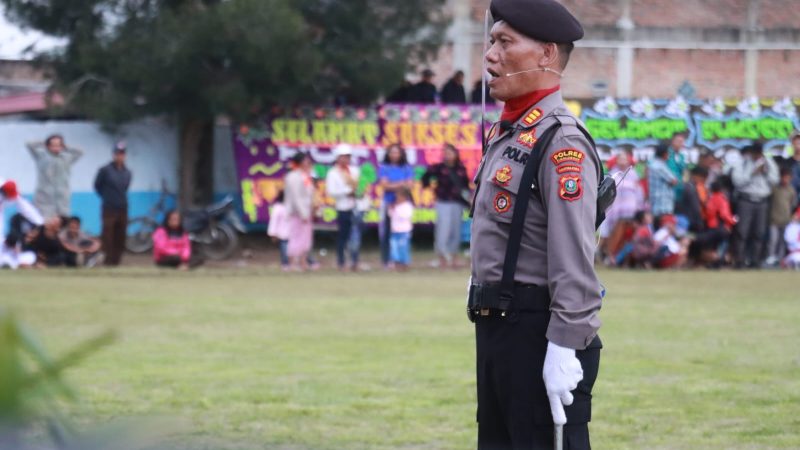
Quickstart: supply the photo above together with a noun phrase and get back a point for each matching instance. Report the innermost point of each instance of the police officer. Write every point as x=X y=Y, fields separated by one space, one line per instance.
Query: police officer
x=534 y=295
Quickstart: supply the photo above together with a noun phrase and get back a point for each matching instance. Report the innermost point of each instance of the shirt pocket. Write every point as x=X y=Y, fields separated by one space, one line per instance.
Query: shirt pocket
x=502 y=182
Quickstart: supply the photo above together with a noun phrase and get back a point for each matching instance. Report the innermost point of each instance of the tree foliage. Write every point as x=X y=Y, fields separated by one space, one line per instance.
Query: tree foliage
x=197 y=59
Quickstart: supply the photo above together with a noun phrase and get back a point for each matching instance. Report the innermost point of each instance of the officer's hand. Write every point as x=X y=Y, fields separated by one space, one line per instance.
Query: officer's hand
x=562 y=372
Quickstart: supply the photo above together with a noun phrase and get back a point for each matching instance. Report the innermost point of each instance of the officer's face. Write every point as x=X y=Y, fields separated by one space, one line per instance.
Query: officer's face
x=511 y=52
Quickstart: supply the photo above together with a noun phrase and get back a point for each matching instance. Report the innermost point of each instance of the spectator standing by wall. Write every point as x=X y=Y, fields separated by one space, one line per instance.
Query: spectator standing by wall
x=453 y=90
x=299 y=199
x=402 y=94
x=402 y=212
x=476 y=97
x=452 y=196
x=112 y=183
x=753 y=180
x=676 y=161
x=171 y=244
x=661 y=181
x=425 y=90
x=784 y=201
x=395 y=173
x=341 y=184
x=54 y=160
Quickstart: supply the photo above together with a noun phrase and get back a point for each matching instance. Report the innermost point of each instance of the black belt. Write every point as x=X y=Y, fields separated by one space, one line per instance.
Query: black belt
x=485 y=299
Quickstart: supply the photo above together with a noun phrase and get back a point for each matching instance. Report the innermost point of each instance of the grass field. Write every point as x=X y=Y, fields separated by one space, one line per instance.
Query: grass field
x=258 y=360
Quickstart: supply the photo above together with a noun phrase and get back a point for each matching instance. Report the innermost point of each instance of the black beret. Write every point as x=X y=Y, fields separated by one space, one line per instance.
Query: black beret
x=543 y=20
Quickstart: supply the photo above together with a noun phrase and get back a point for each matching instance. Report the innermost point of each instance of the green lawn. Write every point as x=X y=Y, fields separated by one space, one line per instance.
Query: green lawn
x=256 y=360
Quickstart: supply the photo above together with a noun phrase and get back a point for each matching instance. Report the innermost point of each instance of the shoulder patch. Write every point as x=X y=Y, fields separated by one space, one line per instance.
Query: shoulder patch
x=568 y=168
x=570 y=187
x=527 y=138
x=567 y=155
x=533 y=117
x=502 y=202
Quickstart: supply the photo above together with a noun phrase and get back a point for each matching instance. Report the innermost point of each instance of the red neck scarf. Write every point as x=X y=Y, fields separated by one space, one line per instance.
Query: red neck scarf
x=516 y=107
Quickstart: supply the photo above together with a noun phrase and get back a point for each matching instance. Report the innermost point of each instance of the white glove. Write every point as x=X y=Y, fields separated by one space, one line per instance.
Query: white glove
x=562 y=372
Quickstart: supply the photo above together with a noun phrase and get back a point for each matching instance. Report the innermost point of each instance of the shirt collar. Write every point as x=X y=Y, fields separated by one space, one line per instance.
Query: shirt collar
x=516 y=107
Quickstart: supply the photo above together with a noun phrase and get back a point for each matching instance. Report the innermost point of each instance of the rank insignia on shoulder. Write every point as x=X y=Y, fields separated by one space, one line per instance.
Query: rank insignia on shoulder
x=527 y=138
x=570 y=187
x=503 y=175
x=502 y=202
x=567 y=155
x=533 y=117
x=568 y=168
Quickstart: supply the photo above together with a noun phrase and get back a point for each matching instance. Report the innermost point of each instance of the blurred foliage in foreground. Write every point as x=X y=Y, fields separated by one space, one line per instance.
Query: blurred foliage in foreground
x=32 y=387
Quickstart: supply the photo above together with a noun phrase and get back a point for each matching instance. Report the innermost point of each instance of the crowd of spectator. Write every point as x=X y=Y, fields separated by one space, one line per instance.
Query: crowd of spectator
x=736 y=209
x=452 y=92
x=43 y=233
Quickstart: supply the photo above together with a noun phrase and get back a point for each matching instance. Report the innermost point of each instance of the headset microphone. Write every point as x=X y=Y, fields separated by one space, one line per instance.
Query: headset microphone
x=544 y=69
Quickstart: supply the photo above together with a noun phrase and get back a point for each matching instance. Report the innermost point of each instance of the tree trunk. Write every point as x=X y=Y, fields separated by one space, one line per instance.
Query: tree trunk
x=196 y=162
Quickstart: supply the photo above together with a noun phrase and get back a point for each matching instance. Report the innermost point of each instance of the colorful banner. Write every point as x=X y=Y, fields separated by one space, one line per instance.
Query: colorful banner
x=262 y=152
x=710 y=124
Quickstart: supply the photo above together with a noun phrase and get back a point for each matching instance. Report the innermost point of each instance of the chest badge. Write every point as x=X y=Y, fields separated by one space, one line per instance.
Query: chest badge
x=570 y=188
x=502 y=202
x=527 y=138
x=503 y=175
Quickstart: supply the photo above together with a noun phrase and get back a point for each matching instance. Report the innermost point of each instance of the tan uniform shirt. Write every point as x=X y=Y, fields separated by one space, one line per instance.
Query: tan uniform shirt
x=558 y=241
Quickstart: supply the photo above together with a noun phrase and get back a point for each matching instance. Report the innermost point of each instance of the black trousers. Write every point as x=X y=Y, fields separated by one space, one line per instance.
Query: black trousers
x=513 y=410
x=115 y=229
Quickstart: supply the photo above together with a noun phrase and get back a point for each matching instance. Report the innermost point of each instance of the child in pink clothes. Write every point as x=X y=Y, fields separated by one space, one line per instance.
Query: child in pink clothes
x=171 y=245
x=401 y=213
x=279 y=228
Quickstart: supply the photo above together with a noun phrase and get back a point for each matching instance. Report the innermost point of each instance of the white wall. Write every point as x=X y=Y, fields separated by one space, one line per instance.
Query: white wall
x=152 y=152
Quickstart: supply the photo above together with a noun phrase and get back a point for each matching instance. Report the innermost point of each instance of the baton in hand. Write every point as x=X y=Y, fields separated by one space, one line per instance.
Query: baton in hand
x=558 y=437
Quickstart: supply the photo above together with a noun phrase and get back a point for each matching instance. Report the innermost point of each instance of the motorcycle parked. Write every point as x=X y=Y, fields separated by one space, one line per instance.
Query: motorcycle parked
x=213 y=230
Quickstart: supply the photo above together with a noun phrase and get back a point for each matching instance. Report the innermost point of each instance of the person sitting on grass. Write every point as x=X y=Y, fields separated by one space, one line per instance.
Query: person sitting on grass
x=672 y=250
x=792 y=237
x=80 y=249
x=171 y=245
x=400 y=215
x=45 y=243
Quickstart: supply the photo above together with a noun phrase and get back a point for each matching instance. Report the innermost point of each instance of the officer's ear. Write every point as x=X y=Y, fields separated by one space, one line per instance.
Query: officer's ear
x=549 y=54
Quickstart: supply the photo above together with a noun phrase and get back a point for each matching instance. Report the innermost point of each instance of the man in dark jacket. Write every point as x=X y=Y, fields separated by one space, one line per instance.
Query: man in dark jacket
x=425 y=90
x=112 y=183
x=453 y=90
x=692 y=203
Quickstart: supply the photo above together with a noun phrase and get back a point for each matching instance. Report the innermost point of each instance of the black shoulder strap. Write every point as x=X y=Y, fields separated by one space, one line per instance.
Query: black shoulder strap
x=521 y=210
